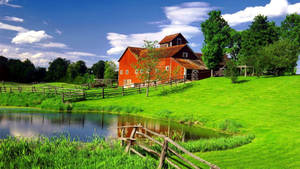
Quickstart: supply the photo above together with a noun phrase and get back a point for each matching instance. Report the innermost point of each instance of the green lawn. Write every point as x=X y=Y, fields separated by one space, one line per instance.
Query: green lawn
x=269 y=108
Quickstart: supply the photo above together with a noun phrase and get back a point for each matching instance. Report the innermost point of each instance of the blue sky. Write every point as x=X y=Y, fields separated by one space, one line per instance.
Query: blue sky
x=92 y=30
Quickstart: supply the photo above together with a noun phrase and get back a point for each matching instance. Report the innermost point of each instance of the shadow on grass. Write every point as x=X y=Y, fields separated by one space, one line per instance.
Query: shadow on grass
x=175 y=89
x=242 y=81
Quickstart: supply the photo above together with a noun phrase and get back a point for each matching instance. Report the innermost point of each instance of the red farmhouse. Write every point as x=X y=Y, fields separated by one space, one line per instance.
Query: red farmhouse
x=179 y=56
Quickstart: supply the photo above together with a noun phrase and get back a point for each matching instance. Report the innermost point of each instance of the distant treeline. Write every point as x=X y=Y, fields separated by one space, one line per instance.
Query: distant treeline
x=60 y=69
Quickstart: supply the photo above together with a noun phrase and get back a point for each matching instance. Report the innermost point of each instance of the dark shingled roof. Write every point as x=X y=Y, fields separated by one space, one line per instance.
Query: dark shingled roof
x=169 y=38
x=191 y=64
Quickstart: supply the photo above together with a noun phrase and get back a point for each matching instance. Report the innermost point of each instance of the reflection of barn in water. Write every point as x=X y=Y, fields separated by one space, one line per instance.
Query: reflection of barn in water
x=173 y=130
x=164 y=128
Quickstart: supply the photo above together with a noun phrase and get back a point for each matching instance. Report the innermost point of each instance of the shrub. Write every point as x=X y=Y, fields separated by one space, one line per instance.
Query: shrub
x=231 y=71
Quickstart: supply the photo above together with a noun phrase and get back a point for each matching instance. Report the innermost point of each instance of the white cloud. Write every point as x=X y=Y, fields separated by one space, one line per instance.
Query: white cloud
x=30 y=37
x=80 y=54
x=59 y=32
x=6 y=3
x=180 y=18
x=54 y=45
x=194 y=45
x=13 y=19
x=274 y=9
x=12 y=27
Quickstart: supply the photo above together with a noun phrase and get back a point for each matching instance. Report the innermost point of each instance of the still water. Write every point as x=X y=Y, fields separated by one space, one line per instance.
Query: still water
x=85 y=126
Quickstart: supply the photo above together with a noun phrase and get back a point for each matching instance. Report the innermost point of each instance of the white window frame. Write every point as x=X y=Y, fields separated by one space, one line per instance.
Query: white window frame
x=167 y=68
x=170 y=44
x=127 y=72
x=121 y=72
x=185 y=54
x=136 y=71
x=141 y=71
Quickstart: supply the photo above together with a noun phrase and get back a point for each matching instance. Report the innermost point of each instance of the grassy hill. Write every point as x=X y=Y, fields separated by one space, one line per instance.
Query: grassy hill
x=269 y=108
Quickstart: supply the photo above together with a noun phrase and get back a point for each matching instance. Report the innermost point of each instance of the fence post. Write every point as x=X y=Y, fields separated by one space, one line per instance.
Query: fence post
x=63 y=97
x=163 y=154
x=139 y=88
x=44 y=91
x=102 y=92
x=10 y=90
x=83 y=94
x=122 y=90
x=4 y=89
x=131 y=140
x=122 y=136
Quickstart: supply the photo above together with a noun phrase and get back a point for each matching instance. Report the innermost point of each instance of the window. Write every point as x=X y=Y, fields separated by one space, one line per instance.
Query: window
x=170 y=44
x=141 y=70
x=185 y=54
x=121 y=72
x=136 y=71
x=178 y=41
x=167 y=68
x=127 y=72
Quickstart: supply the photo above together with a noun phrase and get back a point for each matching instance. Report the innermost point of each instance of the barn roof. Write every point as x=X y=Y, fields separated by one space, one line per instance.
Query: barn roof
x=169 y=38
x=191 y=64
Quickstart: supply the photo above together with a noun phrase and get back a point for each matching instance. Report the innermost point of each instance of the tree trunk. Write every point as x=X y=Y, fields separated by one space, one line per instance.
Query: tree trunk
x=147 y=91
x=211 y=73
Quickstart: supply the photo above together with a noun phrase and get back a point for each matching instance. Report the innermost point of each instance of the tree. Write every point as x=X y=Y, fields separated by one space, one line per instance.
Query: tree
x=110 y=70
x=147 y=64
x=57 y=69
x=216 y=38
x=98 y=69
x=261 y=33
x=235 y=44
x=16 y=69
x=232 y=71
x=290 y=28
x=40 y=74
x=3 y=68
x=278 y=58
x=28 y=73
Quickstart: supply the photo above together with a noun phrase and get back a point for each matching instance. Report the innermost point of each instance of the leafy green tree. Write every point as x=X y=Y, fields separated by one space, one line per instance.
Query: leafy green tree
x=261 y=33
x=98 y=69
x=3 y=68
x=216 y=38
x=57 y=69
x=16 y=70
x=290 y=28
x=278 y=58
x=110 y=70
x=235 y=44
x=40 y=74
x=76 y=70
x=28 y=74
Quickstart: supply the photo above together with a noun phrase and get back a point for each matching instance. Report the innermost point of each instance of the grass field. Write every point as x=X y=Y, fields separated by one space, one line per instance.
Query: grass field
x=269 y=108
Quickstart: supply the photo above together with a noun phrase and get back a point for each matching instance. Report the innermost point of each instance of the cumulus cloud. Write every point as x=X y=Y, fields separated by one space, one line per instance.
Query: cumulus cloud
x=30 y=37
x=6 y=3
x=274 y=9
x=180 y=19
x=13 y=19
x=54 y=45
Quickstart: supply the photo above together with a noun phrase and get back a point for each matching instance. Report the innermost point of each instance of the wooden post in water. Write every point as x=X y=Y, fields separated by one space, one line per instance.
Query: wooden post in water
x=163 y=154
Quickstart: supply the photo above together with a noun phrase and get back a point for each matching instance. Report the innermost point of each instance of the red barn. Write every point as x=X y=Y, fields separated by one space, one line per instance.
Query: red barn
x=179 y=56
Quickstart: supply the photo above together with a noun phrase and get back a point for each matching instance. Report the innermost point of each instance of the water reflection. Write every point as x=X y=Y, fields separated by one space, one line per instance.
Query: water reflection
x=84 y=126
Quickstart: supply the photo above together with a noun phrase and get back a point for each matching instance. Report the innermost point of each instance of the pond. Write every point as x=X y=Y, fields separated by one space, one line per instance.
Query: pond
x=85 y=126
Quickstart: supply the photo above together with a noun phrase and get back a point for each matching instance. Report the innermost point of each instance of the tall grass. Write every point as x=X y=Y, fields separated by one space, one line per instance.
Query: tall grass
x=62 y=152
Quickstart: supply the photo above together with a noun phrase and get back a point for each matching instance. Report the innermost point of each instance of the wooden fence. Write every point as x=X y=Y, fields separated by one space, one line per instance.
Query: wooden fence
x=166 y=153
x=68 y=94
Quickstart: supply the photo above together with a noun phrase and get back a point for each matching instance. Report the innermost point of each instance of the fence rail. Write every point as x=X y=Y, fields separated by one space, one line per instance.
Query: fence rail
x=166 y=150
x=71 y=94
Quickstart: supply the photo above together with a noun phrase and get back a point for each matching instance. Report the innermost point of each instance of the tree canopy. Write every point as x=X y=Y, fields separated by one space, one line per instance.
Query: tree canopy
x=216 y=33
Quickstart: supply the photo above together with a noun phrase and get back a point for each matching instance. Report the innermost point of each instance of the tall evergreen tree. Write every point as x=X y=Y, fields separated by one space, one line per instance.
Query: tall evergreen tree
x=216 y=38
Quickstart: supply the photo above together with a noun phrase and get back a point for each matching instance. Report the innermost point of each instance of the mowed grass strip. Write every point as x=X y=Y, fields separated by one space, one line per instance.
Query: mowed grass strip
x=268 y=108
